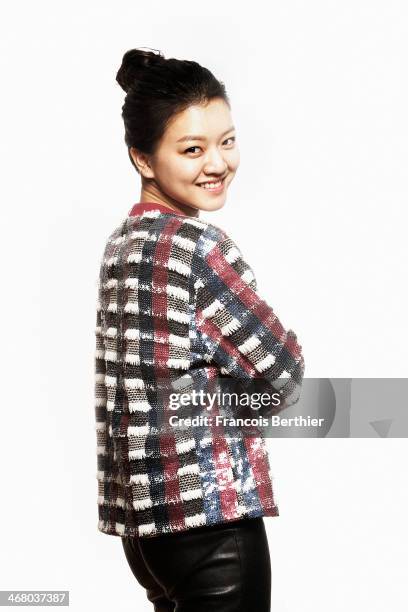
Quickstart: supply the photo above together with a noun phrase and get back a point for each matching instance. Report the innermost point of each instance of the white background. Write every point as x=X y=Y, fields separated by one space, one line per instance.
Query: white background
x=319 y=97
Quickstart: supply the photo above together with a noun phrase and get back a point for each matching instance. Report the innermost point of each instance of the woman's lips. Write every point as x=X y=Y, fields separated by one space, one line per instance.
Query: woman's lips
x=215 y=190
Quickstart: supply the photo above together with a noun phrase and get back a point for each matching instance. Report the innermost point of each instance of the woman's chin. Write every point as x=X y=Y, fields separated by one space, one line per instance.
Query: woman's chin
x=210 y=203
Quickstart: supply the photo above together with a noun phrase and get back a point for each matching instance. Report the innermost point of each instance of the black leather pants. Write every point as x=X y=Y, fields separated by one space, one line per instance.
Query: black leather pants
x=222 y=568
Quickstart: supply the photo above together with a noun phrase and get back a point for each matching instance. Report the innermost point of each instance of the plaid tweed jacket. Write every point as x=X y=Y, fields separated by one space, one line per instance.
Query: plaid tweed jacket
x=175 y=298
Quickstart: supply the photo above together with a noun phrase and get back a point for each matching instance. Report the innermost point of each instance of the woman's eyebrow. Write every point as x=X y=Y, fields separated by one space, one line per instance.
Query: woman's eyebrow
x=194 y=137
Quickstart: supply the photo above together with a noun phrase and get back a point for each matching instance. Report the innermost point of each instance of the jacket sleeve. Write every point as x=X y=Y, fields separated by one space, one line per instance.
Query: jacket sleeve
x=240 y=331
x=100 y=396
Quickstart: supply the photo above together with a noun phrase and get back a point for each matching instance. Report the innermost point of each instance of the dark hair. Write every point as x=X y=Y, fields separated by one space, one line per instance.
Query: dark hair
x=157 y=89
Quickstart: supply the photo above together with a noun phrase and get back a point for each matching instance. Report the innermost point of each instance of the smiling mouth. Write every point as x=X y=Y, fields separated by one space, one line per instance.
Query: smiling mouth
x=210 y=185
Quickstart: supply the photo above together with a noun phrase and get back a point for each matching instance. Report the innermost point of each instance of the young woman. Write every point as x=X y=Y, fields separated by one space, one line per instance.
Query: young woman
x=178 y=301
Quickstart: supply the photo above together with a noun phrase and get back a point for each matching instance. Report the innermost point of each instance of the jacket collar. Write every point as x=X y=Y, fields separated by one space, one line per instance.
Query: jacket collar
x=140 y=207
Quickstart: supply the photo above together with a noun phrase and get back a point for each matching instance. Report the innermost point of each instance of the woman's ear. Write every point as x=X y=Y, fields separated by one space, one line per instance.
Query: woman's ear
x=141 y=163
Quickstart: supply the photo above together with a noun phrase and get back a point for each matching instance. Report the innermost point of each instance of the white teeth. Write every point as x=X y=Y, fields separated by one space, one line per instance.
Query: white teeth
x=211 y=185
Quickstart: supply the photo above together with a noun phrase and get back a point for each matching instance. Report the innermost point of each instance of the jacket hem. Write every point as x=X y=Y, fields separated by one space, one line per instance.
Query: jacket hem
x=119 y=529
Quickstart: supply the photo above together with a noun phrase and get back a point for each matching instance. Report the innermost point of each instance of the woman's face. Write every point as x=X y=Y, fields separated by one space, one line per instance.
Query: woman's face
x=199 y=145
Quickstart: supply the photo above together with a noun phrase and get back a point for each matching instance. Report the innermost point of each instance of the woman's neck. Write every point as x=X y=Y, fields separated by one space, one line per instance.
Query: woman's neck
x=148 y=196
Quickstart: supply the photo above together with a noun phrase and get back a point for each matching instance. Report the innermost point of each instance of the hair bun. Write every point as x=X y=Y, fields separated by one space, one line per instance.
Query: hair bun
x=133 y=63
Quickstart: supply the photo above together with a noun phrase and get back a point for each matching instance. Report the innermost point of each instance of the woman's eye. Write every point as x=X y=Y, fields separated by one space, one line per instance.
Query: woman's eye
x=196 y=147
x=189 y=149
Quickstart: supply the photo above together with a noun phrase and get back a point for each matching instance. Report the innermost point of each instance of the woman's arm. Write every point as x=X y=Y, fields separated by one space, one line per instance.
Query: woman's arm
x=239 y=330
x=100 y=395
